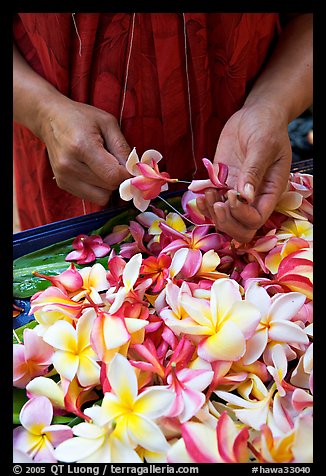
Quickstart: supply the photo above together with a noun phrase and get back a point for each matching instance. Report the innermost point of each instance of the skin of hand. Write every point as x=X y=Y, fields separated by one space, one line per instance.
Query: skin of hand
x=254 y=142
x=255 y=145
x=86 y=148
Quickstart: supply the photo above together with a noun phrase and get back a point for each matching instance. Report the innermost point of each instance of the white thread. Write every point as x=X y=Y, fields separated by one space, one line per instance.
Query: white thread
x=189 y=98
x=80 y=43
x=127 y=68
x=80 y=52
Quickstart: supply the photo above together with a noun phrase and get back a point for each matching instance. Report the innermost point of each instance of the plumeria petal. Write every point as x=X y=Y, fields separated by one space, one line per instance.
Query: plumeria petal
x=146 y=433
x=227 y=344
x=154 y=402
x=36 y=414
x=123 y=379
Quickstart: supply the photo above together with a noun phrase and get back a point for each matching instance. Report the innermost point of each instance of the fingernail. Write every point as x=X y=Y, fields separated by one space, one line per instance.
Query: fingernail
x=249 y=191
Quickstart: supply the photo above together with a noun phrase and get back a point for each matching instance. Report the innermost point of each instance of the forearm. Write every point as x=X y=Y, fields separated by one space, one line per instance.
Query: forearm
x=32 y=95
x=287 y=80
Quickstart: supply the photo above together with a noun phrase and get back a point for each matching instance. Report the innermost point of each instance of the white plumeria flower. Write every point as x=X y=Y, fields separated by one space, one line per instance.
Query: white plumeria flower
x=224 y=322
x=133 y=415
x=95 y=443
x=275 y=324
x=73 y=352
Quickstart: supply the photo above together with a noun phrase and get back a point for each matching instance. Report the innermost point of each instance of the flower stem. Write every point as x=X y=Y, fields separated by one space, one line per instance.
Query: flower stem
x=184 y=181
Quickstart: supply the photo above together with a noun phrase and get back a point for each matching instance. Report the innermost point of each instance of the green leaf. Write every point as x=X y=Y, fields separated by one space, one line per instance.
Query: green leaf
x=49 y=261
x=62 y=420
x=75 y=421
x=20 y=331
x=19 y=399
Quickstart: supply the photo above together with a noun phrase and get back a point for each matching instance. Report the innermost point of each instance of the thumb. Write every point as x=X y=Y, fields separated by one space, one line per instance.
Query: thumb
x=252 y=173
x=115 y=141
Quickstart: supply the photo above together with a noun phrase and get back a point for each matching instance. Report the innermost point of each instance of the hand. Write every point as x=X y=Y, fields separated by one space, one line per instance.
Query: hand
x=255 y=145
x=86 y=148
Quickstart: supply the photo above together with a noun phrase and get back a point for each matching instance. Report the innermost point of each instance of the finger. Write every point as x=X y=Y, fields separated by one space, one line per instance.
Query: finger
x=247 y=215
x=211 y=196
x=115 y=141
x=93 y=194
x=201 y=204
x=226 y=223
x=106 y=166
x=252 y=172
x=83 y=173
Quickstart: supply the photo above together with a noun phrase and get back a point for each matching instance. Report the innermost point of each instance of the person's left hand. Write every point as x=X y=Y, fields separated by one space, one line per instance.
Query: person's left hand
x=255 y=145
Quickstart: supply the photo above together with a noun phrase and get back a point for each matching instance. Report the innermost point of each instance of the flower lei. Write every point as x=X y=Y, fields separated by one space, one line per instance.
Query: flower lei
x=189 y=347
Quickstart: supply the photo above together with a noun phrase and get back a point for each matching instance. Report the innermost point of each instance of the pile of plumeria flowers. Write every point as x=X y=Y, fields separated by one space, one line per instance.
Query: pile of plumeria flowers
x=190 y=347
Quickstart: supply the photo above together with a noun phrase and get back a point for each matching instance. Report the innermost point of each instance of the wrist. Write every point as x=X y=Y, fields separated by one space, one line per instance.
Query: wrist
x=270 y=108
x=47 y=107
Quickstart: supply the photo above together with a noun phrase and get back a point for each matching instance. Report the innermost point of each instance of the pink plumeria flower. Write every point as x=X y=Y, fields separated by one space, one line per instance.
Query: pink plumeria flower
x=87 y=249
x=30 y=359
x=258 y=248
x=53 y=305
x=73 y=352
x=147 y=181
x=118 y=234
x=196 y=241
x=188 y=386
x=68 y=281
x=302 y=183
x=217 y=178
x=203 y=443
x=126 y=318
x=127 y=250
x=279 y=252
x=116 y=265
x=190 y=207
x=276 y=322
x=295 y=272
x=157 y=269
x=112 y=333
x=198 y=444
x=37 y=437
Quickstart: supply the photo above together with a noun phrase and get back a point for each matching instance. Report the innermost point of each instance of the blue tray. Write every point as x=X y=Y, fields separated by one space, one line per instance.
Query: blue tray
x=34 y=239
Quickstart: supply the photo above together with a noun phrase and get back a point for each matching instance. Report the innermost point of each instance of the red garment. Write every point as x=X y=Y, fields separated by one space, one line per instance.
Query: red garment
x=224 y=51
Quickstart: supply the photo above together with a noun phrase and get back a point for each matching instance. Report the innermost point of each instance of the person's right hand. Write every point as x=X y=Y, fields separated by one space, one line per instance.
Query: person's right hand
x=86 y=148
